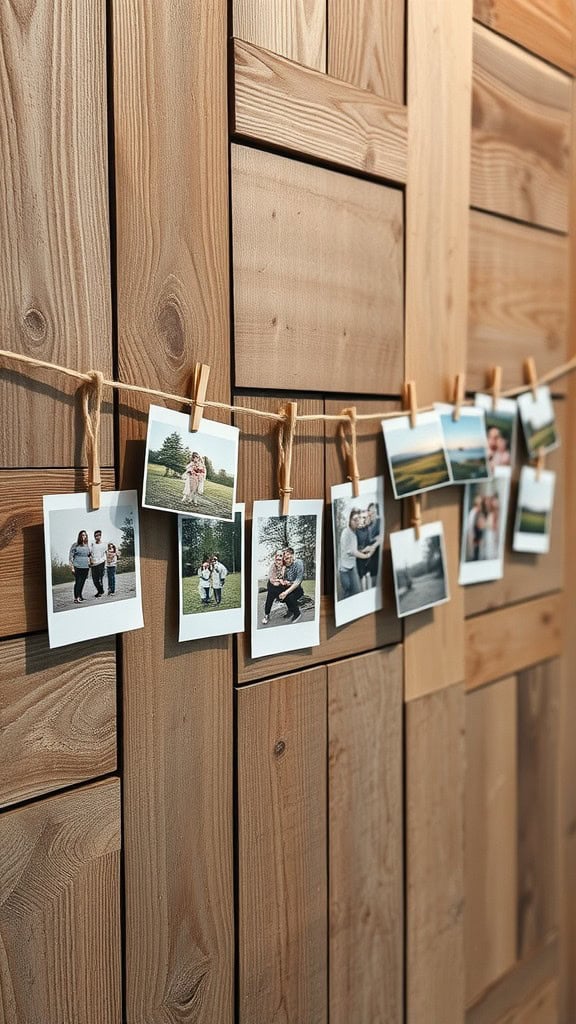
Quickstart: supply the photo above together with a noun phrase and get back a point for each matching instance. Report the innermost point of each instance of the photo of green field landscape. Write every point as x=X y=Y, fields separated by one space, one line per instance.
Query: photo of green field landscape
x=532 y=521
x=416 y=455
x=538 y=421
x=532 y=528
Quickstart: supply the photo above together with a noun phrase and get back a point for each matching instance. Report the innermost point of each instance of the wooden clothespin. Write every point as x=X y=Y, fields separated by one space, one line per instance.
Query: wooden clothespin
x=539 y=463
x=350 y=450
x=495 y=384
x=93 y=391
x=530 y=376
x=285 y=438
x=458 y=394
x=199 y=388
x=416 y=521
x=410 y=403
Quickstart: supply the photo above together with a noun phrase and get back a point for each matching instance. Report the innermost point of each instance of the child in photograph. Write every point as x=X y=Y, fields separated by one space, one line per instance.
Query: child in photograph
x=194 y=477
x=276 y=581
x=79 y=559
x=98 y=562
x=111 y=563
x=219 y=574
x=204 y=582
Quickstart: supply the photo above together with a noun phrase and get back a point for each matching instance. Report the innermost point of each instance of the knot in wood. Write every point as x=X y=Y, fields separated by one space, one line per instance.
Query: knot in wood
x=279 y=748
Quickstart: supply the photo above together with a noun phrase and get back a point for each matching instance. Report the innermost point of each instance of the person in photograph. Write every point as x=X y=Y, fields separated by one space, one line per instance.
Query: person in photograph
x=204 y=581
x=219 y=574
x=79 y=559
x=375 y=540
x=362 y=535
x=194 y=477
x=111 y=563
x=276 y=582
x=293 y=575
x=492 y=527
x=498 y=448
x=350 y=555
x=98 y=562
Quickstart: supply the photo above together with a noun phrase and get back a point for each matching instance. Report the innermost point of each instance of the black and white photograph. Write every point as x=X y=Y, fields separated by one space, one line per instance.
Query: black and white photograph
x=501 y=427
x=466 y=443
x=533 y=522
x=190 y=473
x=285 y=612
x=484 y=519
x=92 y=566
x=416 y=455
x=538 y=421
x=211 y=555
x=358 y=531
x=419 y=567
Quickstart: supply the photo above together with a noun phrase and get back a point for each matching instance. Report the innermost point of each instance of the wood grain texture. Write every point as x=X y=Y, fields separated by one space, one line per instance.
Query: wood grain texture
x=538 y=707
x=285 y=105
x=542 y=1008
x=317 y=266
x=293 y=28
x=57 y=715
x=173 y=309
x=518 y=288
x=435 y=769
x=282 y=748
x=491 y=848
x=506 y=641
x=366 y=838
x=54 y=270
x=547 y=27
x=366 y=45
x=520 y=134
x=22 y=571
x=518 y=986
x=60 y=909
x=437 y=192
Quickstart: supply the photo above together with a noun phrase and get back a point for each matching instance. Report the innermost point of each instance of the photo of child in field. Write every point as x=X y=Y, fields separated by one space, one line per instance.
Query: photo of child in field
x=538 y=421
x=211 y=576
x=416 y=455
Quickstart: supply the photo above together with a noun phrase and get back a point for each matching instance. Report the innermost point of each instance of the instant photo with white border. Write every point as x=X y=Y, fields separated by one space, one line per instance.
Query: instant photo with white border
x=536 y=499
x=211 y=432
x=536 y=414
x=458 y=437
x=293 y=636
x=484 y=567
x=508 y=409
x=91 y=620
x=217 y=621
x=397 y=429
x=365 y=602
x=404 y=546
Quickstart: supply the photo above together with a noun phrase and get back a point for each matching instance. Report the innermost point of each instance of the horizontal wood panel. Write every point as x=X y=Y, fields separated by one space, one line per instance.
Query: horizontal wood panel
x=504 y=642
x=57 y=715
x=22 y=542
x=520 y=134
x=285 y=105
x=547 y=27
x=518 y=986
x=366 y=45
x=60 y=908
x=366 y=838
x=542 y=1008
x=293 y=28
x=318 y=269
x=518 y=305
x=282 y=917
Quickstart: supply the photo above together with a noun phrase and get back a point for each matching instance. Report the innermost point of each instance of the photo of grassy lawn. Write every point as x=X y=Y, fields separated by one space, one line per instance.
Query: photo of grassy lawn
x=231 y=595
x=545 y=437
x=166 y=492
x=538 y=420
x=416 y=455
x=419 y=472
x=531 y=521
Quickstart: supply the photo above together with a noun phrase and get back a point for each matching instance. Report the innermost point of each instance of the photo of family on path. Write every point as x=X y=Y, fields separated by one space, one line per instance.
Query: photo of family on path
x=358 y=529
x=211 y=576
x=420 y=574
x=190 y=473
x=484 y=517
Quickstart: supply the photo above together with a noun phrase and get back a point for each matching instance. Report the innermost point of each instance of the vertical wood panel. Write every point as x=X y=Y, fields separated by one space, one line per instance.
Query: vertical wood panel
x=282 y=849
x=54 y=274
x=548 y=27
x=540 y=1009
x=59 y=909
x=435 y=857
x=365 y=839
x=491 y=839
x=366 y=45
x=172 y=203
x=293 y=28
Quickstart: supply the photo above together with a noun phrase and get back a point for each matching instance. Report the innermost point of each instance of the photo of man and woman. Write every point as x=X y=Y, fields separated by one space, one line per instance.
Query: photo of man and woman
x=484 y=517
x=501 y=422
x=358 y=530
x=211 y=576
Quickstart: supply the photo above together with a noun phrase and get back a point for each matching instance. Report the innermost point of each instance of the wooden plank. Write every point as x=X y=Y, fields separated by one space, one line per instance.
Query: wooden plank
x=491 y=835
x=518 y=288
x=173 y=310
x=282 y=849
x=293 y=28
x=506 y=641
x=437 y=192
x=22 y=569
x=60 y=908
x=538 y=705
x=54 y=271
x=540 y=1009
x=520 y=134
x=435 y=768
x=516 y=987
x=283 y=104
x=366 y=45
x=547 y=27
x=365 y=838
x=317 y=262
x=57 y=715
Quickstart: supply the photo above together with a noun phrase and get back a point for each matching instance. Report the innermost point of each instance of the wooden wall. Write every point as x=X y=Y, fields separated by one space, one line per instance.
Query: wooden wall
x=319 y=198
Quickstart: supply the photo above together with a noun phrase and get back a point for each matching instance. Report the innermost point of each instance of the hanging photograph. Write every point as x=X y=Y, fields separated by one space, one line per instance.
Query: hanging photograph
x=484 y=517
x=92 y=566
x=358 y=530
x=416 y=455
x=466 y=443
x=501 y=421
x=538 y=421
x=190 y=473
x=419 y=566
x=211 y=558
x=534 y=511
x=285 y=576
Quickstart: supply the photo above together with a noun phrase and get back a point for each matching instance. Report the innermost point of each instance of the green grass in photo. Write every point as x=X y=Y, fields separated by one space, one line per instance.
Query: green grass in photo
x=166 y=492
x=533 y=522
x=231 y=596
x=420 y=472
x=545 y=437
x=469 y=469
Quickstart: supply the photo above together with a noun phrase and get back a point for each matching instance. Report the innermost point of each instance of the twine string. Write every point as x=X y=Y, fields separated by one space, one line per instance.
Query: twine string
x=91 y=405
x=286 y=432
